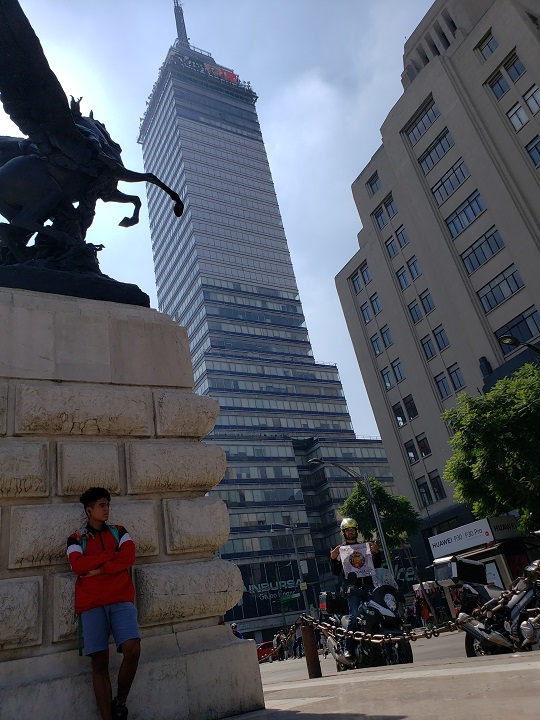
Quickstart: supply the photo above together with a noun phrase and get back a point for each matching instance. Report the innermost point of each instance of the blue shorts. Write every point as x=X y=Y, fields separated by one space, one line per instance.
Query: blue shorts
x=98 y=623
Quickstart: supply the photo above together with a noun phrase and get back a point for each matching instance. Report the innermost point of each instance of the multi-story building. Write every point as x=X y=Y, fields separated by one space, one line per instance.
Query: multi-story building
x=448 y=258
x=224 y=271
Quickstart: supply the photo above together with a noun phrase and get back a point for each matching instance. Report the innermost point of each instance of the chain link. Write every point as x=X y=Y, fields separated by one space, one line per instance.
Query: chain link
x=334 y=632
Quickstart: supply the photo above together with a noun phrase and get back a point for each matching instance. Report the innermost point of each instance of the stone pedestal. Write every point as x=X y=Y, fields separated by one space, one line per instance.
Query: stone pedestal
x=95 y=393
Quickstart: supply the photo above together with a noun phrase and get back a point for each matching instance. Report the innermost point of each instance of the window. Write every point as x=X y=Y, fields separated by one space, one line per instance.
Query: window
x=523 y=327
x=402 y=237
x=414 y=310
x=414 y=267
x=376 y=344
x=390 y=206
x=456 y=377
x=488 y=46
x=514 y=67
x=373 y=184
x=410 y=407
x=517 y=116
x=386 y=337
x=397 y=367
x=436 y=151
x=422 y=123
x=410 y=449
x=436 y=485
x=533 y=148
x=532 y=98
x=429 y=347
x=423 y=445
x=427 y=301
x=482 y=250
x=450 y=181
x=441 y=337
x=399 y=415
x=366 y=312
x=499 y=85
x=425 y=492
x=466 y=213
x=387 y=378
x=366 y=275
x=356 y=283
x=391 y=247
x=403 y=278
x=375 y=304
x=500 y=288
x=380 y=218
x=443 y=385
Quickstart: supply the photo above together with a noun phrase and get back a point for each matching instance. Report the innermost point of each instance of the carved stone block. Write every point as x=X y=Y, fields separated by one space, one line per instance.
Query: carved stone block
x=23 y=468
x=38 y=533
x=139 y=517
x=64 y=618
x=3 y=408
x=195 y=525
x=166 y=466
x=87 y=464
x=65 y=409
x=21 y=612
x=184 y=414
x=176 y=591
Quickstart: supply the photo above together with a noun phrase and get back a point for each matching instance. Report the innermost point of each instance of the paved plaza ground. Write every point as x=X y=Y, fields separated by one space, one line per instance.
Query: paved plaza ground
x=451 y=688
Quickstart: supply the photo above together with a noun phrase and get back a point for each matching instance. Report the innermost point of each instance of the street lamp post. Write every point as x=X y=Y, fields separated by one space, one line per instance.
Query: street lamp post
x=369 y=494
x=292 y=528
x=511 y=340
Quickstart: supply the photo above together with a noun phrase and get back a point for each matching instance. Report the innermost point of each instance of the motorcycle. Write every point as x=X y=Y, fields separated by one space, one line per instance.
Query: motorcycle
x=380 y=613
x=509 y=622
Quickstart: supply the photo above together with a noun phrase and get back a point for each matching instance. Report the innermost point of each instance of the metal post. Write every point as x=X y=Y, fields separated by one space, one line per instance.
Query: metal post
x=369 y=493
x=311 y=652
x=300 y=576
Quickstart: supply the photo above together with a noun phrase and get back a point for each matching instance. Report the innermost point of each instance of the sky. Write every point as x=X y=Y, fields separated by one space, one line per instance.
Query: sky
x=327 y=72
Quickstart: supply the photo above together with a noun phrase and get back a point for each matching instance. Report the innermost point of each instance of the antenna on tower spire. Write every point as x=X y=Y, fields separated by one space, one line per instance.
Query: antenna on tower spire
x=180 y=23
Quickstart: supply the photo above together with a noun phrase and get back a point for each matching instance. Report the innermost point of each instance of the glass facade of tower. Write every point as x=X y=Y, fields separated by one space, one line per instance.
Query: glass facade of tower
x=224 y=271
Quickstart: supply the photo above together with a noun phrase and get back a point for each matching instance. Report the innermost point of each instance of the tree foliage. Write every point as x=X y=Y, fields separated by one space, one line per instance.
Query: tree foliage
x=398 y=517
x=496 y=462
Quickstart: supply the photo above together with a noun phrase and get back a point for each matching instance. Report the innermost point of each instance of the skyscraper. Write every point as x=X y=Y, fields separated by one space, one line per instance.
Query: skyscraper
x=224 y=272
x=450 y=208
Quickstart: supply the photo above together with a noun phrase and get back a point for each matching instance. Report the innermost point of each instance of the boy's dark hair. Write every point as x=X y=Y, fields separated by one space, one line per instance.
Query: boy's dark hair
x=93 y=494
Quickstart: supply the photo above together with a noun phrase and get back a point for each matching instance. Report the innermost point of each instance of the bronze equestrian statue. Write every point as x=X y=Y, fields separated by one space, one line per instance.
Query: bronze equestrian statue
x=51 y=181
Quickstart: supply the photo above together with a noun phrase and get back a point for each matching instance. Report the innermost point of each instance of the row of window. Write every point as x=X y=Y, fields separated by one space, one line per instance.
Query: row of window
x=386 y=340
x=361 y=278
x=432 y=489
x=260 y=472
x=374 y=306
x=414 y=270
x=441 y=339
x=384 y=212
x=513 y=68
x=428 y=304
x=423 y=448
x=450 y=181
x=410 y=407
x=266 y=543
x=259 y=496
x=396 y=372
x=524 y=327
x=401 y=237
x=245 y=519
x=443 y=384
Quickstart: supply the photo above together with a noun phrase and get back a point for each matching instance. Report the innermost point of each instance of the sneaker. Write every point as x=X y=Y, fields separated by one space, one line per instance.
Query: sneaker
x=119 y=710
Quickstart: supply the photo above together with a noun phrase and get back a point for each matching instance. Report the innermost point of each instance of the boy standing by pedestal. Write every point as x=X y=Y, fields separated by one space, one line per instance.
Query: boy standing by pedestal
x=100 y=555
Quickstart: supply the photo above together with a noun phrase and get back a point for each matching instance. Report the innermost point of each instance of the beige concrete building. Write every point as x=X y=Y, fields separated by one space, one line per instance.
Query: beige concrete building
x=448 y=257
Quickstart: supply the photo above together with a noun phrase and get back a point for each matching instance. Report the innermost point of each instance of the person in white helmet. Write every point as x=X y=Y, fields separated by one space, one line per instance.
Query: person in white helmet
x=236 y=631
x=353 y=582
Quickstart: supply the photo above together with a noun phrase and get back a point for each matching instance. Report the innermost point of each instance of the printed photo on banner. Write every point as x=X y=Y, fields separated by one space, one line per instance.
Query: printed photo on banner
x=357 y=559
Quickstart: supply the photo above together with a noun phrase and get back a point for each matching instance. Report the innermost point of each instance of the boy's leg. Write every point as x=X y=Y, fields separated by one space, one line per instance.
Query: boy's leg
x=102 y=683
x=131 y=650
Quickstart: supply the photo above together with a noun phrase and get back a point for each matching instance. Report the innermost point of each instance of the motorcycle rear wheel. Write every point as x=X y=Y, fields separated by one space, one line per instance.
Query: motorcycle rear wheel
x=474 y=648
x=405 y=653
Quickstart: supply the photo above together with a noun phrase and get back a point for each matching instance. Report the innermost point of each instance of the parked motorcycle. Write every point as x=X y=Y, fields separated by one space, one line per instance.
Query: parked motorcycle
x=509 y=622
x=381 y=612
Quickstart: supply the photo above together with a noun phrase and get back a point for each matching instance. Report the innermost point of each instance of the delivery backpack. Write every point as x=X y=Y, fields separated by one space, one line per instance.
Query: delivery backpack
x=116 y=536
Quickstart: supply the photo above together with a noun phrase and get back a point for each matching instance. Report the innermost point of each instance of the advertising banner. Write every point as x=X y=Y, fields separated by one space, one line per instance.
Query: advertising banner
x=461 y=538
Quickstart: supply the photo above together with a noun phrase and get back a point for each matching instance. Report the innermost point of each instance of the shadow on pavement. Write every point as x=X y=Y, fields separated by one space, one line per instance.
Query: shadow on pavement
x=299 y=714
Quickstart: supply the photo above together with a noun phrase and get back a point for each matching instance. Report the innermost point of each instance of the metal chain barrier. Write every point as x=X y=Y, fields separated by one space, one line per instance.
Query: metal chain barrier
x=335 y=633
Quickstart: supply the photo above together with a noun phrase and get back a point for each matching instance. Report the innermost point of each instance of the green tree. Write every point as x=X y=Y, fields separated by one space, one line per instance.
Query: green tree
x=496 y=462
x=398 y=517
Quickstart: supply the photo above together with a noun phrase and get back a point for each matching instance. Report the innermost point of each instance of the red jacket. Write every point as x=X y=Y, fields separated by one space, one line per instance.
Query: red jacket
x=114 y=584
